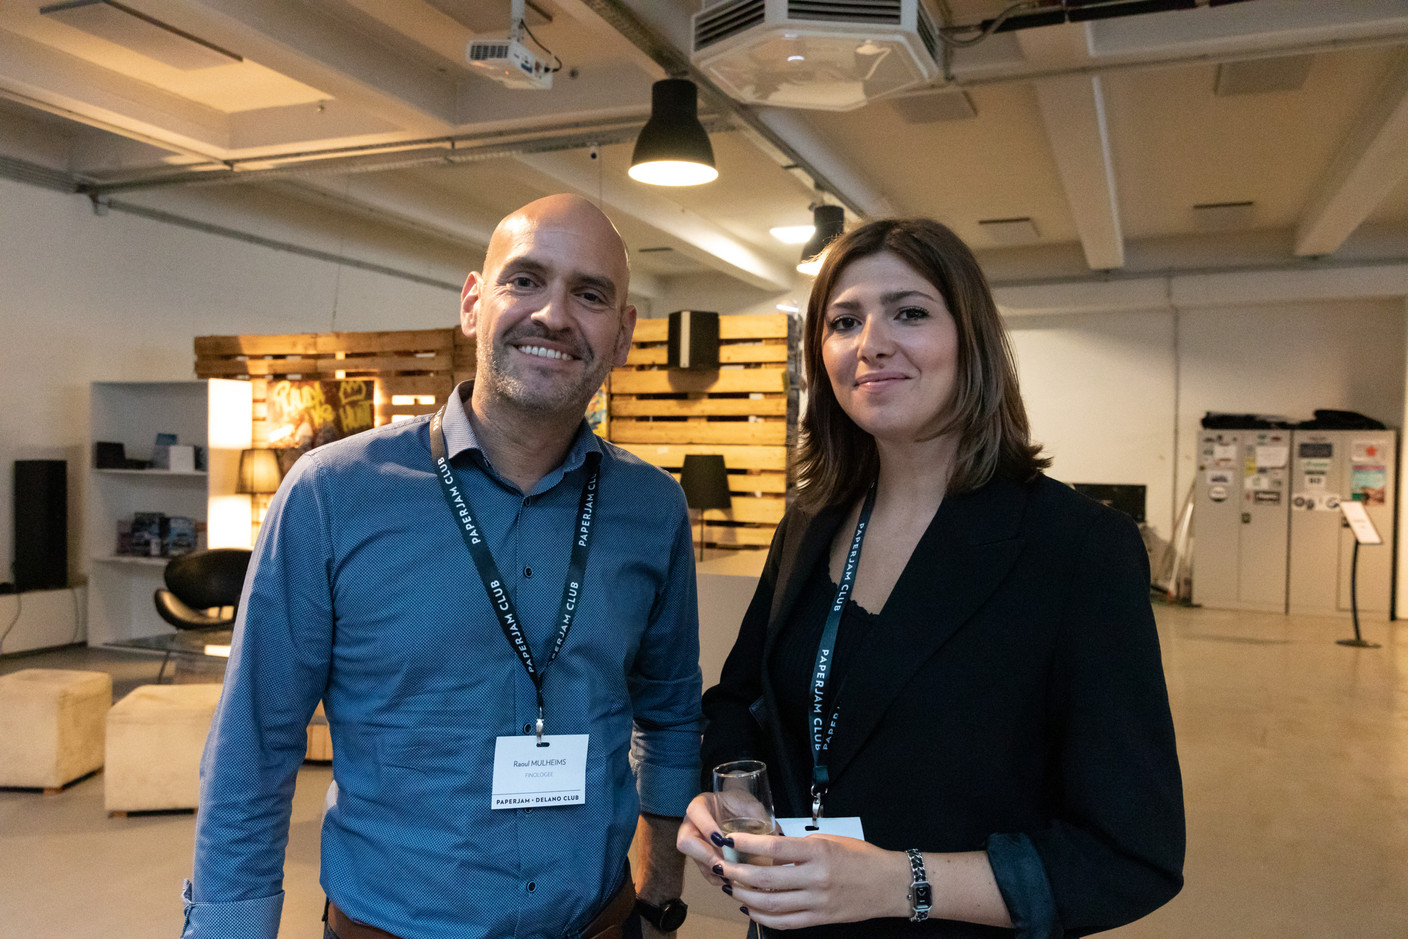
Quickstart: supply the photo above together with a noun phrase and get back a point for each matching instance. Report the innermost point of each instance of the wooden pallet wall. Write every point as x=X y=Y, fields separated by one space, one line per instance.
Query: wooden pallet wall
x=423 y=365
x=745 y=410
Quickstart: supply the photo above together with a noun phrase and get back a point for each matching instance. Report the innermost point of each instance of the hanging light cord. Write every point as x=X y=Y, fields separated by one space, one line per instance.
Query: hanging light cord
x=949 y=39
x=539 y=43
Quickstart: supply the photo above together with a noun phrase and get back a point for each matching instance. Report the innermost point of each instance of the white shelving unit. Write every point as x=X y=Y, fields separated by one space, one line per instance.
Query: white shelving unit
x=215 y=414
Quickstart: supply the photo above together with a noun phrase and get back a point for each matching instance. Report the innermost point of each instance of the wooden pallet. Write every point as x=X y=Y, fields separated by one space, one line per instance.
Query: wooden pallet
x=413 y=370
x=745 y=410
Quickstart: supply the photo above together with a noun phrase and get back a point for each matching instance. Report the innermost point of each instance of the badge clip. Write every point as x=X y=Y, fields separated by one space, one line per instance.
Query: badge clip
x=817 y=793
x=540 y=729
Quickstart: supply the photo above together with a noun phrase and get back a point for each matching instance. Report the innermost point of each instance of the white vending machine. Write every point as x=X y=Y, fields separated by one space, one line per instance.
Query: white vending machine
x=1330 y=466
x=1240 y=519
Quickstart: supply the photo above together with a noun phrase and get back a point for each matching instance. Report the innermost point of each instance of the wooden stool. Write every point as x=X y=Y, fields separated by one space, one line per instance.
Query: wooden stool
x=51 y=726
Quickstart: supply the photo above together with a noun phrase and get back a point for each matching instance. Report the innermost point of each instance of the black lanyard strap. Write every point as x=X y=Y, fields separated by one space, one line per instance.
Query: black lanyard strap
x=821 y=729
x=494 y=584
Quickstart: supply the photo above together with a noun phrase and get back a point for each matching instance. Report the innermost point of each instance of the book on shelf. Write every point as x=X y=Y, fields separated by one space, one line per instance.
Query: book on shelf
x=180 y=535
x=149 y=534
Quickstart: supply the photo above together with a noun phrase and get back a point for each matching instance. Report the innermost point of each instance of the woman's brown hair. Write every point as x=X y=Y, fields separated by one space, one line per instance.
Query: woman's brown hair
x=837 y=461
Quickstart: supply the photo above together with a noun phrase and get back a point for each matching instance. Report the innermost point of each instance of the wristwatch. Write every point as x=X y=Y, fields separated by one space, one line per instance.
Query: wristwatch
x=667 y=917
x=921 y=895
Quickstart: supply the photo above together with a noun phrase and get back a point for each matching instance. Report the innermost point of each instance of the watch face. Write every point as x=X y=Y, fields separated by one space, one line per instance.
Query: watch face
x=923 y=896
x=672 y=916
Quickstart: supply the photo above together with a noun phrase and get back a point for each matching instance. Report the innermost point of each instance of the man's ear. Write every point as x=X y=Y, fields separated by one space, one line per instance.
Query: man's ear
x=469 y=303
x=623 y=338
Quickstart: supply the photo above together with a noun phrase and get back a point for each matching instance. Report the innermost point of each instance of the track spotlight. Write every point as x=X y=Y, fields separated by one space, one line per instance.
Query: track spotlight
x=830 y=221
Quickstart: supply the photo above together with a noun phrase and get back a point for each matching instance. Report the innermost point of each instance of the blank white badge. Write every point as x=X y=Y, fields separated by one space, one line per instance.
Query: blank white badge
x=847 y=826
x=527 y=776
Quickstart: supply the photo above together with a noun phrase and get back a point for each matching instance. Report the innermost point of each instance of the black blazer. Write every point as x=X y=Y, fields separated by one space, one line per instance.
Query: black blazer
x=1014 y=687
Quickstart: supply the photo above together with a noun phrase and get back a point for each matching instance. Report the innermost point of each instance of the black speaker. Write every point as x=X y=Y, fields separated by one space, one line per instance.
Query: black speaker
x=692 y=340
x=41 y=524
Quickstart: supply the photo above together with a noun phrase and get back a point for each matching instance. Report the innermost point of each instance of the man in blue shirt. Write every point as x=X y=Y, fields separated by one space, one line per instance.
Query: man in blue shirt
x=497 y=609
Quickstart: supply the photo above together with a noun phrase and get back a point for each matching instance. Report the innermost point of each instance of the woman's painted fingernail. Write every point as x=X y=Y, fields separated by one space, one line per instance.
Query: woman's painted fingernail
x=718 y=839
x=728 y=890
x=744 y=911
x=719 y=869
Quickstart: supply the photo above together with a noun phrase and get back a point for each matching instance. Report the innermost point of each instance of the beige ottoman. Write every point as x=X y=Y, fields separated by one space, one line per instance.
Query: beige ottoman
x=155 y=738
x=51 y=726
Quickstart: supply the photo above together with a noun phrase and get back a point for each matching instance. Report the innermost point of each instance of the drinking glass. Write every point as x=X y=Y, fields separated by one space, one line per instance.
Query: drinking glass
x=743 y=804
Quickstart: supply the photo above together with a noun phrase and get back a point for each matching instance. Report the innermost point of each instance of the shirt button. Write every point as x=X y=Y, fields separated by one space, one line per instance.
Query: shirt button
x=527 y=572
x=532 y=886
x=527 y=728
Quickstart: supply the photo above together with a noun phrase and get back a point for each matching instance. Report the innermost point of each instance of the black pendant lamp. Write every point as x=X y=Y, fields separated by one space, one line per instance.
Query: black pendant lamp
x=829 y=221
x=673 y=148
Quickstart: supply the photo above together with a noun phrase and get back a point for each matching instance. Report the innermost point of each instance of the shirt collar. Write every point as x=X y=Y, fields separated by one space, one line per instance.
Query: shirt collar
x=459 y=438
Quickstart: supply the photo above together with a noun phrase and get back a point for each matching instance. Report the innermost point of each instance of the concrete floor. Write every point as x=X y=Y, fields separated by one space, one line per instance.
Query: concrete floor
x=1295 y=762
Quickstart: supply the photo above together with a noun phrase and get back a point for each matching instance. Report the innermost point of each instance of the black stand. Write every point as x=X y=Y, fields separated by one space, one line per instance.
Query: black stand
x=1358 y=641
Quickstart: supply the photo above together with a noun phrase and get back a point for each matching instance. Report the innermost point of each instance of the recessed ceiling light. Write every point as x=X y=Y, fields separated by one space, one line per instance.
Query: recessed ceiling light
x=792 y=234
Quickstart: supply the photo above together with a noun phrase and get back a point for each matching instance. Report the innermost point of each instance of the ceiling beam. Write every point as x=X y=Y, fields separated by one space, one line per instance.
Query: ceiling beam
x=697 y=238
x=1073 y=113
x=407 y=203
x=1370 y=164
x=321 y=52
x=36 y=74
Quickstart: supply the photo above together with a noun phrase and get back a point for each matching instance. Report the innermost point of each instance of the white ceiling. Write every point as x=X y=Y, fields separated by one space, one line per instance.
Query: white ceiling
x=1105 y=135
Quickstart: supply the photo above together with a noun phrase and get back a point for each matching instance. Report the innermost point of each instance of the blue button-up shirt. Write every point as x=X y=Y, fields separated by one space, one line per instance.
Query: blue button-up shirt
x=362 y=593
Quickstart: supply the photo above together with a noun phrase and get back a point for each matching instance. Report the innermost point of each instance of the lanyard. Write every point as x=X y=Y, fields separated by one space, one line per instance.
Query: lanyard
x=489 y=571
x=821 y=730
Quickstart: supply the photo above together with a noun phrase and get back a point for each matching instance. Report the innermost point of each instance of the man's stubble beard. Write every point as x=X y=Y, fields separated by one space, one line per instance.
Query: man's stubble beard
x=558 y=398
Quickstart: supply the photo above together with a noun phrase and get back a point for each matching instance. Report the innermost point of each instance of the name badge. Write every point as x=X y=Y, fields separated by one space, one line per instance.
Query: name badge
x=527 y=776
x=844 y=827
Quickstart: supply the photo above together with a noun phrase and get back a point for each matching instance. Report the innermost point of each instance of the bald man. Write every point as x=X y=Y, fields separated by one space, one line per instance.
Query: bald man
x=497 y=609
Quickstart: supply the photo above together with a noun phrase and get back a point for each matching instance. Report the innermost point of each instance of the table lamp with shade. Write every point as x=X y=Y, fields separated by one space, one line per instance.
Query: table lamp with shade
x=259 y=477
x=704 y=479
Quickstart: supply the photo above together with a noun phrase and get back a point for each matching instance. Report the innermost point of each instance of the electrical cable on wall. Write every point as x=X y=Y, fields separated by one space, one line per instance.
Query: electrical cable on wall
x=19 y=605
x=78 y=623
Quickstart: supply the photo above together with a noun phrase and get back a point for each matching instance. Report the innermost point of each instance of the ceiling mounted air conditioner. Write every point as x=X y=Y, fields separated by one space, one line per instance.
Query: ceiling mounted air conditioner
x=832 y=55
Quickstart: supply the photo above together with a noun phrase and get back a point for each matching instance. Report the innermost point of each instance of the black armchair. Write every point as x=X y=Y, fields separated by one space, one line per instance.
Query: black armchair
x=202 y=592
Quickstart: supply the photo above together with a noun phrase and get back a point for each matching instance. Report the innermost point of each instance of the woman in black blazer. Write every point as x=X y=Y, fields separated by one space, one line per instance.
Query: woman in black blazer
x=988 y=698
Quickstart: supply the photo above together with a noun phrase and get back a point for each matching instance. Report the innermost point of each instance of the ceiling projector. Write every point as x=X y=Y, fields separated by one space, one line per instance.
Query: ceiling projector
x=832 y=55
x=508 y=62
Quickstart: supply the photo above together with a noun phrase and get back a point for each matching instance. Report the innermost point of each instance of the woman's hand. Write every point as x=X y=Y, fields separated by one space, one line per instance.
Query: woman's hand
x=696 y=838
x=820 y=879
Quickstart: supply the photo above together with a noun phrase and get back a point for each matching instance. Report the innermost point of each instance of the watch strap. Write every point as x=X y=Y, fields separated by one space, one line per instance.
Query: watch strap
x=921 y=894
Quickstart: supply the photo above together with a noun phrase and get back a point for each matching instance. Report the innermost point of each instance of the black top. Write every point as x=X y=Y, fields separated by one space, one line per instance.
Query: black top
x=791 y=665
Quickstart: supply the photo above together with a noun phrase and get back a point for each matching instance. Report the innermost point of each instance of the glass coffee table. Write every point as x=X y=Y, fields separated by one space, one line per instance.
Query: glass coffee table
x=197 y=643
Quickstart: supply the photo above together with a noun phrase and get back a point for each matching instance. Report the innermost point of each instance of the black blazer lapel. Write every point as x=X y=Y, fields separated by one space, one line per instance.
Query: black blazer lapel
x=962 y=558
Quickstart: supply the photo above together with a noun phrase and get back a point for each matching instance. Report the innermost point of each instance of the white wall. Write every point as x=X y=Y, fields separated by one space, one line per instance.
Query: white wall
x=1100 y=391
x=1118 y=397
x=85 y=298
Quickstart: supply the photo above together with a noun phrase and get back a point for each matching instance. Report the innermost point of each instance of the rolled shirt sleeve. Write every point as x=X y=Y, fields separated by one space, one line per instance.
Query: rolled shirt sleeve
x=665 y=687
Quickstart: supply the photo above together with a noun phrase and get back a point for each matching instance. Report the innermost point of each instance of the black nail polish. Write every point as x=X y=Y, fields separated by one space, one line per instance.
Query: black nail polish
x=728 y=890
x=719 y=869
x=743 y=910
x=718 y=839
